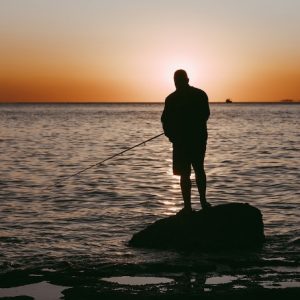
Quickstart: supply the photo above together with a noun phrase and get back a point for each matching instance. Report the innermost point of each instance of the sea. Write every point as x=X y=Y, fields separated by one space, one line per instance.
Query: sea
x=65 y=236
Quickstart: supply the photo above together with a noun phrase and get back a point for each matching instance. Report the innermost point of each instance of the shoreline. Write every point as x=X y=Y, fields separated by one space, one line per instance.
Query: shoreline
x=288 y=294
x=147 y=281
x=46 y=290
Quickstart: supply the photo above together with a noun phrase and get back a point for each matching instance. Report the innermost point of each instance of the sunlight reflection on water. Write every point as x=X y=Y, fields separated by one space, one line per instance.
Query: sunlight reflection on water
x=40 y=291
x=135 y=280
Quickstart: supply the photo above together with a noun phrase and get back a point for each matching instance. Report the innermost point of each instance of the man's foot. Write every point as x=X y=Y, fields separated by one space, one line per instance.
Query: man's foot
x=184 y=212
x=205 y=205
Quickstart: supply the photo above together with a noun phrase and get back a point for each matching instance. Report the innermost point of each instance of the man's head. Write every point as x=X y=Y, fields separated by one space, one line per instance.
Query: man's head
x=181 y=79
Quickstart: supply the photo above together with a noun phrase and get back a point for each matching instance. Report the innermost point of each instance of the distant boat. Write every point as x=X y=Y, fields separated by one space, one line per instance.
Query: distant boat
x=228 y=101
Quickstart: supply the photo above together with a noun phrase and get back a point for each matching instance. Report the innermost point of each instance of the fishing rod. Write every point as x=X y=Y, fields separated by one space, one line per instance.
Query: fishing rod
x=105 y=160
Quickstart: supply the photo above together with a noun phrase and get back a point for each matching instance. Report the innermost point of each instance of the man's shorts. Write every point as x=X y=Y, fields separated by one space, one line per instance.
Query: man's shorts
x=186 y=156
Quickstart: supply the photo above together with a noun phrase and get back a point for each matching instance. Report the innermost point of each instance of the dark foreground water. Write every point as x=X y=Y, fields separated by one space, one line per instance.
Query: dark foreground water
x=72 y=238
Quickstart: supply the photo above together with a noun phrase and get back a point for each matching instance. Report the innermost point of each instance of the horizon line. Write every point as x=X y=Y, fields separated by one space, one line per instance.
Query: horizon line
x=284 y=101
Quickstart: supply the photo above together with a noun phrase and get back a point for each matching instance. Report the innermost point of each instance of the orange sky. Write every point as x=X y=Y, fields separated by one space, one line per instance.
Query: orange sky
x=128 y=50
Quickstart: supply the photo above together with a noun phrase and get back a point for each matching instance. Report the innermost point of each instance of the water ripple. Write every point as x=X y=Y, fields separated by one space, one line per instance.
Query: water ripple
x=252 y=157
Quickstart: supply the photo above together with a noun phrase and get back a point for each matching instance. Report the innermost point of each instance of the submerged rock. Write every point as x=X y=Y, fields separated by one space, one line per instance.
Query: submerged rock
x=233 y=225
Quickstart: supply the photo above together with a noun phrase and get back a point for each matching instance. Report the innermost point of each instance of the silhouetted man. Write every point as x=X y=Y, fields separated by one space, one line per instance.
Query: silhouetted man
x=184 y=121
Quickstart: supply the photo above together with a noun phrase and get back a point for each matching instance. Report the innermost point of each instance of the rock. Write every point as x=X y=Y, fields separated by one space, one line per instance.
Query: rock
x=233 y=225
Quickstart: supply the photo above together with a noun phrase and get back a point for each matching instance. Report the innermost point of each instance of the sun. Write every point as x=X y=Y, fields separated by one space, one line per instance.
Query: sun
x=158 y=72
x=190 y=65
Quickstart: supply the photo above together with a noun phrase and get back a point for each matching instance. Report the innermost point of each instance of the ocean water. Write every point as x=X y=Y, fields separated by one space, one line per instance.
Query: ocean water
x=76 y=232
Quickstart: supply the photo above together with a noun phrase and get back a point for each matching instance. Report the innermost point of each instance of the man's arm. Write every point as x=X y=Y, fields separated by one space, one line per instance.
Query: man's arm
x=206 y=108
x=165 y=119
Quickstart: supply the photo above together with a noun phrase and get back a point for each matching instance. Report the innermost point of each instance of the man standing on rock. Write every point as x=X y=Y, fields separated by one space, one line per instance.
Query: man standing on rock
x=184 y=121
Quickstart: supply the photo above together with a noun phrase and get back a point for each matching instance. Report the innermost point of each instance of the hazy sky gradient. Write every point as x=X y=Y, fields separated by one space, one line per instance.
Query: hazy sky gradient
x=76 y=50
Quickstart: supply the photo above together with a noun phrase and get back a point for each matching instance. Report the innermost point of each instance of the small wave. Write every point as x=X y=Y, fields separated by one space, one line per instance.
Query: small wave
x=294 y=241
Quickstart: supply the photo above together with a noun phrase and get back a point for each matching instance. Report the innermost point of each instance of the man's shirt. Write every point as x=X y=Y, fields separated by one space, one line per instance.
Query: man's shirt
x=185 y=116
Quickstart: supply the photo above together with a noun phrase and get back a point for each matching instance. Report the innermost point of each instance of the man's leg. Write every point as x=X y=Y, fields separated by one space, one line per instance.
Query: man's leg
x=198 y=166
x=201 y=185
x=186 y=185
x=182 y=167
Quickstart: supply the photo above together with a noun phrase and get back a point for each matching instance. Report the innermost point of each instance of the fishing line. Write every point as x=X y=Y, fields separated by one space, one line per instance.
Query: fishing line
x=103 y=161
